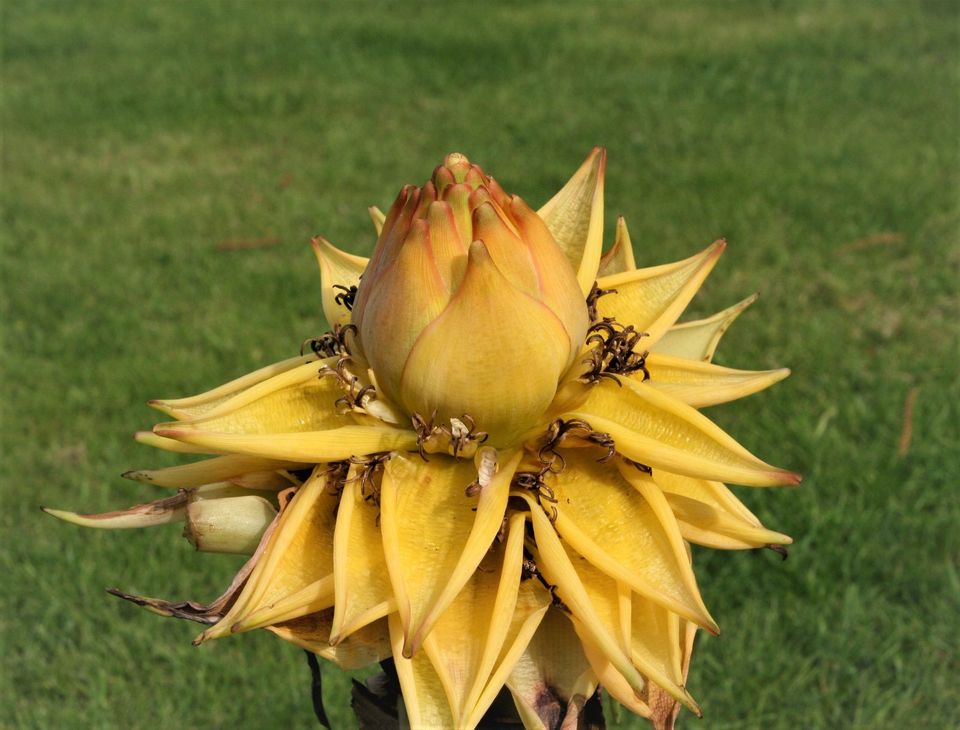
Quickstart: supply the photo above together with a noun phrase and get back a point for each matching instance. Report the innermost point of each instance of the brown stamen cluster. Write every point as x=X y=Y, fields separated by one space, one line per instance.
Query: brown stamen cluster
x=424 y=429
x=535 y=481
x=355 y=398
x=370 y=473
x=463 y=431
x=346 y=297
x=336 y=472
x=595 y=293
x=331 y=343
x=355 y=395
x=559 y=430
x=460 y=433
x=614 y=352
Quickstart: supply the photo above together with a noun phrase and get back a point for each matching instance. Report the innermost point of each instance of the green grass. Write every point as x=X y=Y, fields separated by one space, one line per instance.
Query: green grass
x=819 y=138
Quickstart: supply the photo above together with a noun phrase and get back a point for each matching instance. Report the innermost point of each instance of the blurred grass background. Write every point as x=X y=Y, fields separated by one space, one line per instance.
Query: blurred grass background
x=821 y=138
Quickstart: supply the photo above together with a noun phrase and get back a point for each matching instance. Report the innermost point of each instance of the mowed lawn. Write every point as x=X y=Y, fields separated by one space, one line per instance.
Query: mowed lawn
x=165 y=164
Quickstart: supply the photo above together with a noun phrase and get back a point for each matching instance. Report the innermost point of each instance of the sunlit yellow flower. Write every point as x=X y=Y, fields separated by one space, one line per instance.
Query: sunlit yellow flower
x=491 y=467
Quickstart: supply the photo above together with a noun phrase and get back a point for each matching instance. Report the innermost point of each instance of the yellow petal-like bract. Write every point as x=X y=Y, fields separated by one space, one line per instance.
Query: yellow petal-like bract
x=491 y=468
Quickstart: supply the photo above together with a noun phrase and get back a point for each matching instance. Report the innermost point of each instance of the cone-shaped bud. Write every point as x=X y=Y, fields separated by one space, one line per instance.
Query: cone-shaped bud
x=468 y=306
x=231 y=525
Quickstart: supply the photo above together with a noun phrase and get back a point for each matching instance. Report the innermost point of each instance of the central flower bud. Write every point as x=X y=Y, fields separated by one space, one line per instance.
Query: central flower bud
x=467 y=305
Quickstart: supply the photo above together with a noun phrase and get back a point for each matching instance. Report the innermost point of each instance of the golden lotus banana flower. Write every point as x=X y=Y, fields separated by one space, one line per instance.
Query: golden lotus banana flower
x=491 y=468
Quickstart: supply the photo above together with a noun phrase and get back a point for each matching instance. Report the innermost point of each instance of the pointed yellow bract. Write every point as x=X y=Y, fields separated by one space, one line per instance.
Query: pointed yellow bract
x=475 y=631
x=297 y=400
x=196 y=405
x=337 y=269
x=506 y=248
x=709 y=514
x=367 y=646
x=555 y=279
x=654 y=429
x=448 y=249
x=393 y=320
x=430 y=560
x=307 y=446
x=701 y=384
x=652 y=638
x=218 y=469
x=605 y=597
x=378 y=217
x=709 y=492
x=607 y=675
x=652 y=299
x=149 y=438
x=299 y=553
x=315 y=596
x=532 y=603
x=629 y=539
x=575 y=217
x=425 y=700
x=556 y=564
x=361 y=582
x=698 y=340
x=664 y=709
x=619 y=258
x=705 y=525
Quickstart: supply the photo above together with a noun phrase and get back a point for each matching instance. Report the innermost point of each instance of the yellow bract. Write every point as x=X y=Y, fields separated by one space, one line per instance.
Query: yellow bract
x=575 y=217
x=491 y=468
x=458 y=363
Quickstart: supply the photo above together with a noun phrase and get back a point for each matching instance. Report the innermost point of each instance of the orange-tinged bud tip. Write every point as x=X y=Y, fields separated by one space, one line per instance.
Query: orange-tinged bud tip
x=456 y=165
x=455 y=159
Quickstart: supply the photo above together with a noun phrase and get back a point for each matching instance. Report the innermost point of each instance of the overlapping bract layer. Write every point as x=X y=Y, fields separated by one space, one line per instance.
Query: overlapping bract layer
x=549 y=559
x=464 y=280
